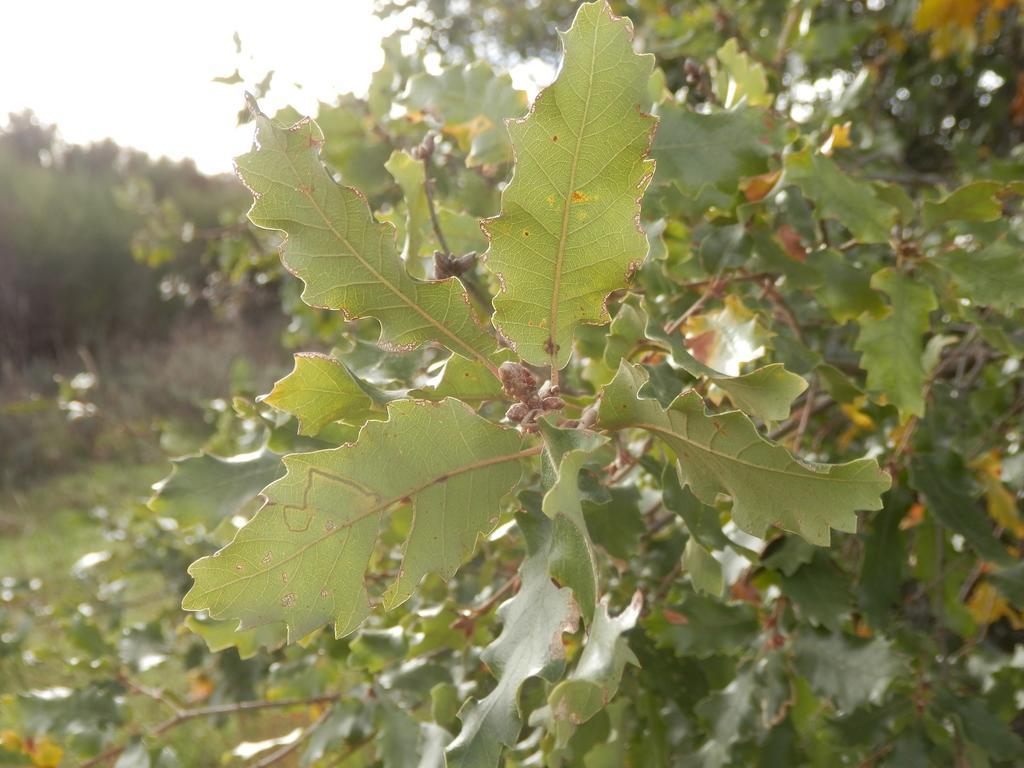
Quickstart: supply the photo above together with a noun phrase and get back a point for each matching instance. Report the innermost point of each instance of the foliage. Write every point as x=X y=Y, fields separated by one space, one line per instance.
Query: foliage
x=748 y=494
x=68 y=217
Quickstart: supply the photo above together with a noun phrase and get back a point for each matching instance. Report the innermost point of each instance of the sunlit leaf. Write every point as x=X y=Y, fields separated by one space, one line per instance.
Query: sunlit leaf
x=892 y=343
x=474 y=104
x=302 y=559
x=723 y=453
x=836 y=195
x=346 y=260
x=320 y=390
x=568 y=235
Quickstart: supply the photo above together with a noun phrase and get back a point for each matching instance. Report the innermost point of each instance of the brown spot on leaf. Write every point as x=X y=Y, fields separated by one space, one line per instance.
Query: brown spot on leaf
x=702 y=345
x=792 y=242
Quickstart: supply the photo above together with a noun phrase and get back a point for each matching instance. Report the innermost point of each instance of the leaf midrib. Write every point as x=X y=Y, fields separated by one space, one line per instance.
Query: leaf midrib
x=567 y=206
x=813 y=475
x=307 y=193
x=377 y=509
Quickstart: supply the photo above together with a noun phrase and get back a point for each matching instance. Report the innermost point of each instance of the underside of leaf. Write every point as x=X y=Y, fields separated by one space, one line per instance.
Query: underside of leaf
x=347 y=260
x=724 y=454
x=530 y=645
x=303 y=558
x=568 y=233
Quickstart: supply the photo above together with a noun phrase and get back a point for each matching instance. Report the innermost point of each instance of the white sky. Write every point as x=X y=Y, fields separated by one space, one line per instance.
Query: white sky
x=140 y=71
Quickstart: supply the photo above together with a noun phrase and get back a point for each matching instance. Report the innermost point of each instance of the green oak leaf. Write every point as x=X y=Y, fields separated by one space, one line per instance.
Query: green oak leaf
x=991 y=276
x=724 y=454
x=702 y=521
x=1010 y=581
x=787 y=554
x=703 y=626
x=855 y=203
x=302 y=559
x=977 y=201
x=208 y=489
x=626 y=329
x=405 y=742
x=705 y=571
x=846 y=290
x=568 y=233
x=848 y=670
x=530 y=645
x=345 y=258
x=891 y=344
x=474 y=104
x=572 y=553
x=220 y=635
x=730 y=714
x=616 y=524
x=767 y=393
x=882 y=574
x=947 y=486
x=353 y=147
x=466 y=380
x=321 y=390
x=820 y=590
x=695 y=150
x=410 y=175
x=984 y=728
x=740 y=78
x=595 y=680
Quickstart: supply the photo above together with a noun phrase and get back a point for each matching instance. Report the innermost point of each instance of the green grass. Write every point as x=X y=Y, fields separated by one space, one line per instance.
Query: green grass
x=47 y=526
x=44 y=529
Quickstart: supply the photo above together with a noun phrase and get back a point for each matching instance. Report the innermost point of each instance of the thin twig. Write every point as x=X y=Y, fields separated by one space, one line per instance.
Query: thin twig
x=287 y=749
x=157 y=694
x=354 y=748
x=783 y=309
x=740 y=278
x=805 y=415
x=711 y=288
x=428 y=185
x=794 y=421
x=185 y=715
x=473 y=614
x=782 y=47
x=426 y=151
x=630 y=461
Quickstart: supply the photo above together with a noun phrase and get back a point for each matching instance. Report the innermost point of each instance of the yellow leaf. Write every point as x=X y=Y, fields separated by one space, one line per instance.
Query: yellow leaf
x=987 y=606
x=858 y=417
x=936 y=14
x=1002 y=505
x=199 y=687
x=45 y=754
x=914 y=517
x=838 y=138
x=10 y=741
x=953 y=24
x=756 y=187
x=860 y=422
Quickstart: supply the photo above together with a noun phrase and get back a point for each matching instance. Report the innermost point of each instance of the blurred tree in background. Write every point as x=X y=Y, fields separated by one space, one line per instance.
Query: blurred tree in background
x=68 y=218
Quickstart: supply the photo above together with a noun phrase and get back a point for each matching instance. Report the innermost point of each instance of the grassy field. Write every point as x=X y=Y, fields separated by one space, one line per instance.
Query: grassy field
x=48 y=526
x=87 y=592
